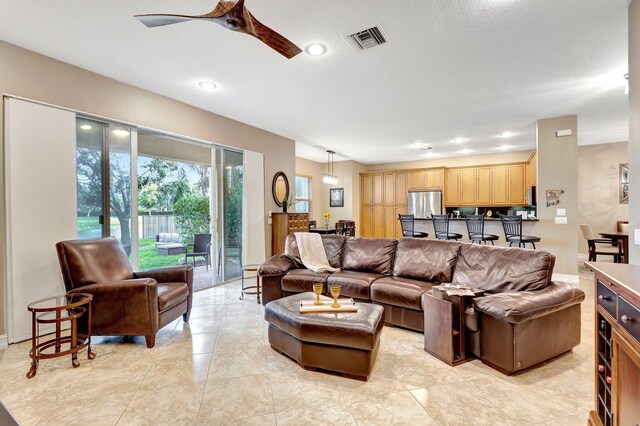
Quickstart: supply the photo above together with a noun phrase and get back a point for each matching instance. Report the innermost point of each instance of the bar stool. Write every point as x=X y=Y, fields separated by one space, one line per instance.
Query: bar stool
x=475 y=228
x=441 y=228
x=407 y=223
x=253 y=267
x=512 y=226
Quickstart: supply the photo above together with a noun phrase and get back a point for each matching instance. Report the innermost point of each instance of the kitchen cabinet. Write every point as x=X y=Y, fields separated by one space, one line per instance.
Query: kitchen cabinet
x=452 y=187
x=532 y=171
x=389 y=222
x=377 y=189
x=485 y=187
x=401 y=188
x=378 y=222
x=366 y=221
x=500 y=192
x=389 y=196
x=517 y=194
x=617 y=344
x=468 y=186
x=417 y=180
x=434 y=179
x=366 y=189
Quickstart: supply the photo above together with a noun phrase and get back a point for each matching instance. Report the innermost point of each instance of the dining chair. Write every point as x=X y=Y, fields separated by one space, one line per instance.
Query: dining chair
x=341 y=228
x=407 y=223
x=512 y=225
x=624 y=227
x=441 y=228
x=475 y=228
x=349 y=227
x=601 y=246
x=312 y=224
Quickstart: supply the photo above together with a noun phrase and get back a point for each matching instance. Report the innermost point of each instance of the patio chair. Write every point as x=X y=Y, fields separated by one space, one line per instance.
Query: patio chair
x=201 y=247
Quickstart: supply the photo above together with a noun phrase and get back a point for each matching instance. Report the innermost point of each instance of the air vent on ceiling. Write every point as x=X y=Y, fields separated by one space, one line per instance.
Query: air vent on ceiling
x=366 y=39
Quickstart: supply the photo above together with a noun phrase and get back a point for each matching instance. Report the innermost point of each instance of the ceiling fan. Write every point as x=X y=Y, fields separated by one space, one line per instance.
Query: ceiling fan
x=234 y=16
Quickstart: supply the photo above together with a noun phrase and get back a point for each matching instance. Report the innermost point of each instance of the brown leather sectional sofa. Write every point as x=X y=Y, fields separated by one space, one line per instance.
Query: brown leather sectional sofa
x=523 y=319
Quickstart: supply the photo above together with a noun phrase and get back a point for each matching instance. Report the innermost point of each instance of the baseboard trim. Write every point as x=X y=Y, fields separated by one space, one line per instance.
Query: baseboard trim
x=4 y=342
x=567 y=278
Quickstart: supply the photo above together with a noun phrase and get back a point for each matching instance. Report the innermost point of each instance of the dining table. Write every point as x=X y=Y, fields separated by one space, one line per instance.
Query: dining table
x=323 y=230
x=619 y=238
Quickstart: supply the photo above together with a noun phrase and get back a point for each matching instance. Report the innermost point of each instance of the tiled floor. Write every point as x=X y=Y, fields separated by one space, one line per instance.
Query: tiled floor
x=219 y=369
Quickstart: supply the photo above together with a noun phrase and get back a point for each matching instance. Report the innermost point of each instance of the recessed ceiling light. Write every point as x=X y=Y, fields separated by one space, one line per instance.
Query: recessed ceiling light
x=459 y=140
x=316 y=49
x=85 y=127
x=506 y=135
x=207 y=85
x=465 y=151
x=121 y=132
x=504 y=147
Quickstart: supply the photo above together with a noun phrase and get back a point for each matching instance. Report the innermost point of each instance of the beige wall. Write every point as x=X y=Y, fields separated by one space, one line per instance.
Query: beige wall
x=471 y=160
x=348 y=173
x=30 y=75
x=558 y=169
x=634 y=127
x=598 y=196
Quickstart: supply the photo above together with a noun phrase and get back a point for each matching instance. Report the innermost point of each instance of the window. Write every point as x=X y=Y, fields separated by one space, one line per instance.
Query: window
x=303 y=194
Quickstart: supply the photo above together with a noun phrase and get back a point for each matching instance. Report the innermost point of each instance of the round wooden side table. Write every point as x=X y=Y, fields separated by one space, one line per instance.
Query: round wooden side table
x=250 y=268
x=57 y=310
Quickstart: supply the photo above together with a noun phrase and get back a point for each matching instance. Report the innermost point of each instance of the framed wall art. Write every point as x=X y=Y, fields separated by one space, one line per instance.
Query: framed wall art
x=624 y=183
x=336 y=197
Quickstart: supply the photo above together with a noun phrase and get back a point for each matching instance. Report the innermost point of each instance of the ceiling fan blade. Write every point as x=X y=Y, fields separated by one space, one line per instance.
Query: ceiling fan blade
x=158 y=20
x=269 y=37
x=222 y=8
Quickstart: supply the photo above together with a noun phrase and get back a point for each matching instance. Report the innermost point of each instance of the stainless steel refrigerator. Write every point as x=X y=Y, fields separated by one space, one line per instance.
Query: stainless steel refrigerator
x=424 y=204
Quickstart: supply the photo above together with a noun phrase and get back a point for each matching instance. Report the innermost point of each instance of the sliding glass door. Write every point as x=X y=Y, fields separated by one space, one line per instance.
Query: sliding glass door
x=103 y=166
x=230 y=190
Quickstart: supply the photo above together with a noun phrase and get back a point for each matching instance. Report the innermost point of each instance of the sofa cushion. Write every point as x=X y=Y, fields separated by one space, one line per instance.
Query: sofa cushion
x=354 y=284
x=171 y=294
x=369 y=254
x=399 y=291
x=500 y=269
x=302 y=280
x=333 y=246
x=426 y=260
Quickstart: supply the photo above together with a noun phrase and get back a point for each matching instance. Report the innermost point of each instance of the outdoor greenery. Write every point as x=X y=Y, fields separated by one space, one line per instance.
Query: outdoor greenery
x=233 y=207
x=191 y=214
x=149 y=258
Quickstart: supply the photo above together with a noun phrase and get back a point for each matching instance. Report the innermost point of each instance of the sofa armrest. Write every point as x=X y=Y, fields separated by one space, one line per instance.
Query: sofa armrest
x=521 y=306
x=170 y=274
x=277 y=265
x=124 y=307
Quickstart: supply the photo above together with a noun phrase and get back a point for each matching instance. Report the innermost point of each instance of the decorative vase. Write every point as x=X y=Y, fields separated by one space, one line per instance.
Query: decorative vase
x=326 y=224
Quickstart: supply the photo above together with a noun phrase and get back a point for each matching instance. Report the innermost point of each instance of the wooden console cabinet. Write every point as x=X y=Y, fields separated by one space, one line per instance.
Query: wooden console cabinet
x=617 y=345
x=283 y=224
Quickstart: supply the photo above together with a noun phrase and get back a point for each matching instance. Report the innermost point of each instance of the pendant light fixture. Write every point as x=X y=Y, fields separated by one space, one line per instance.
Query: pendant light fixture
x=329 y=177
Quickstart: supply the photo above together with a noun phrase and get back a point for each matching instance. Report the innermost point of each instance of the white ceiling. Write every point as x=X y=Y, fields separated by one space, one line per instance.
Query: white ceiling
x=452 y=68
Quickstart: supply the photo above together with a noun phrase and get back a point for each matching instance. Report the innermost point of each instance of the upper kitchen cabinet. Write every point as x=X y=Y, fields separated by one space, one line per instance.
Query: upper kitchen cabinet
x=434 y=179
x=366 y=189
x=401 y=188
x=417 y=180
x=468 y=186
x=517 y=192
x=484 y=186
x=452 y=187
x=500 y=193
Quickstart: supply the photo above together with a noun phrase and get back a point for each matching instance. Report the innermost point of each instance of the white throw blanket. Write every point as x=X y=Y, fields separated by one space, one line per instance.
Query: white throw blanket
x=312 y=252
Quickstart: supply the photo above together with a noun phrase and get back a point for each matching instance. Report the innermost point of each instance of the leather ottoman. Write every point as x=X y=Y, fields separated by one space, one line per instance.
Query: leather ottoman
x=346 y=343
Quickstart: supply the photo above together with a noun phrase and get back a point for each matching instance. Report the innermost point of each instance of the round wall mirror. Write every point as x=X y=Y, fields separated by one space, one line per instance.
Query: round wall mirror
x=280 y=188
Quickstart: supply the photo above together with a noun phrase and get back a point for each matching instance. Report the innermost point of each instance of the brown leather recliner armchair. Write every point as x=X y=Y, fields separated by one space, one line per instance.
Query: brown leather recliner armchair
x=125 y=303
